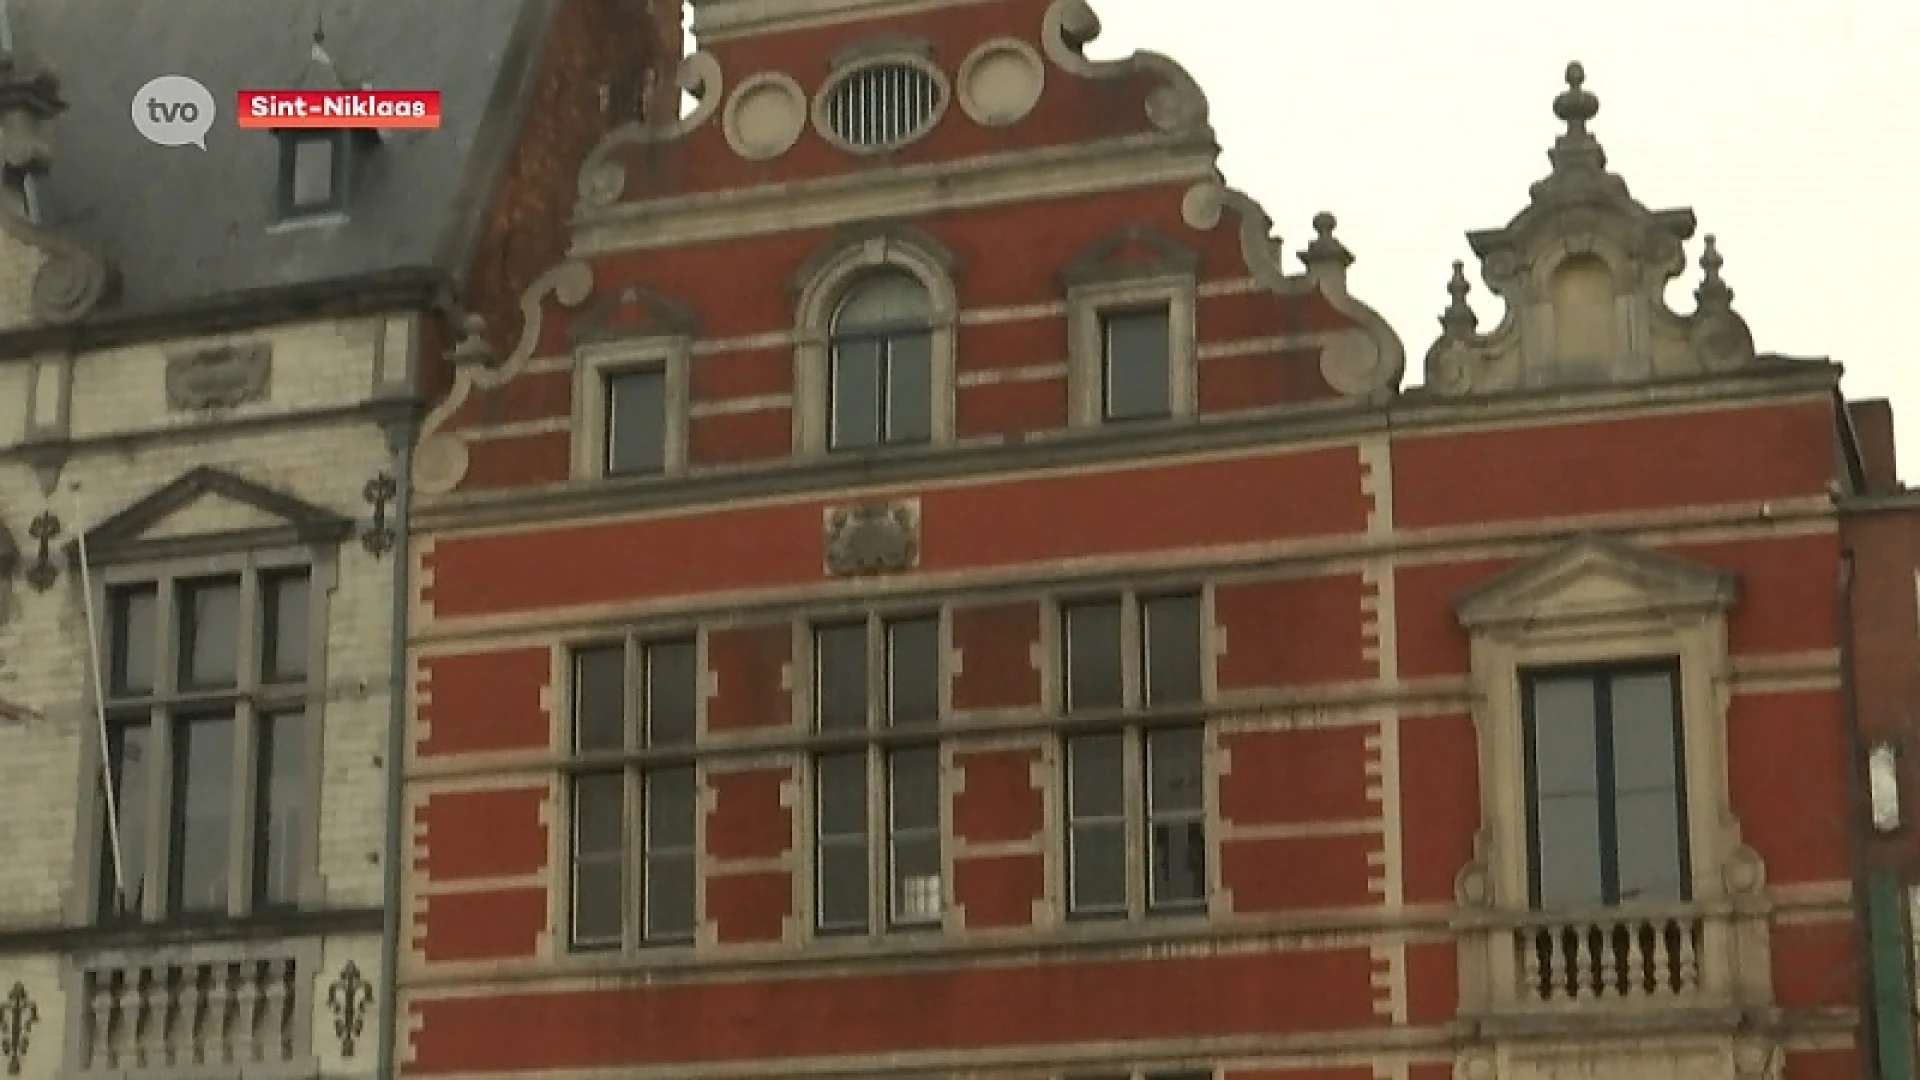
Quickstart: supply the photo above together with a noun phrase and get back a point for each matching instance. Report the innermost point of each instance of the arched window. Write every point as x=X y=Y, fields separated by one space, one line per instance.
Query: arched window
x=881 y=377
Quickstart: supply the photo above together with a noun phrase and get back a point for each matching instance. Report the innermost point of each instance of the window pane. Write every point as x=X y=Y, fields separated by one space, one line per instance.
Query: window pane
x=670 y=897
x=913 y=671
x=883 y=300
x=843 y=794
x=1136 y=347
x=1093 y=656
x=1650 y=842
x=280 y=808
x=1644 y=735
x=599 y=812
x=909 y=387
x=670 y=809
x=599 y=698
x=672 y=682
x=1179 y=863
x=637 y=422
x=916 y=788
x=210 y=632
x=1566 y=851
x=1565 y=751
x=131 y=640
x=202 y=813
x=313 y=172
x=284 y=651
x=855 y=405
x=840 y=662
x=1099 y=873
x=843 y=885
x=916 y=879
x=131 y=756
x=1172 y=637
x=1095 y=777
x=1175 y=772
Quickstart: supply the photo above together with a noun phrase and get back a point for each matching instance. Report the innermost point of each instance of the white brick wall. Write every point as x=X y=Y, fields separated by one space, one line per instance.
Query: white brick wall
x=46 y=760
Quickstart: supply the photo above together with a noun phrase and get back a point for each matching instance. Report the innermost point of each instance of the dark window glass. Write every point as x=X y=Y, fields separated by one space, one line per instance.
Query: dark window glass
x=857 y=380
x=599 y=698
x=636 y=422
x=280 y=809
x=313 y=172
x=881 y=378
x=670 y=854
x=1097 y=825
x=202 y=813
x=914 y=803
x=913 y=671
x=672 y=684
x=1171 y=633
x=1176 y=818
x=210 y=633
x=1136 y=348
x=131 y=640
x=841 y=825
x=840 y=665
x=1606 y=812
x=909 y=387
x=284 y=650
x=1093 y=656
x=599 y=896
x=130 y=754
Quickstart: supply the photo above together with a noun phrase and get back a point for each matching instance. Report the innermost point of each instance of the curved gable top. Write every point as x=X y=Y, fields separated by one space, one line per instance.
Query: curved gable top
x=1595 y=577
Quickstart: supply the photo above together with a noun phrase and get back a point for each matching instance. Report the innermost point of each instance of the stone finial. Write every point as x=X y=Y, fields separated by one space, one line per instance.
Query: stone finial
x=472 y=348
x=1326 y=251
x=1576 y=148
x=1459 y=317
x=29 y=98
x=1713 y=291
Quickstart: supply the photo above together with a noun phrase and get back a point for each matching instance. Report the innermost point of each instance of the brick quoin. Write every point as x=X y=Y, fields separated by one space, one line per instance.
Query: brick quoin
x=997 y=645
x=749 y=671
x=1061 y=1004
x=999 y=892
x=485 y=701
x=500 y=924
x=749 y=907
x=748 y=820
x=1298 y=777
x=998 y=803
x=483 y=834
x=1300 y=873
x=1291 y=633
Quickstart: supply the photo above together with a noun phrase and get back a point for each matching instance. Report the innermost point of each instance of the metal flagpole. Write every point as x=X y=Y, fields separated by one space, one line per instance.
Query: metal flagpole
x=100 y=707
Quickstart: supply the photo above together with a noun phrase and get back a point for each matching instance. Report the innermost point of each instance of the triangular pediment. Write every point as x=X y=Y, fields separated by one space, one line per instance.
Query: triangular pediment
x=634 y=312
x=1595 y=576
x=213 y=504
x=1132 y=251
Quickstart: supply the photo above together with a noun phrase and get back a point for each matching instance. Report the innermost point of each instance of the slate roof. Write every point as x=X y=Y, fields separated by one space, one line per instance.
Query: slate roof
x=189 y=229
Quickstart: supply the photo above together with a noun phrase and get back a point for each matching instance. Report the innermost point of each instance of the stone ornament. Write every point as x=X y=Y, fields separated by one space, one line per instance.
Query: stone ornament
x=348 y=999
x=603 y=176
x=1001 y=82
x=872 y=539
x=765 y=116
x=219 y=378
x=18 y=1017
x=1178 y=107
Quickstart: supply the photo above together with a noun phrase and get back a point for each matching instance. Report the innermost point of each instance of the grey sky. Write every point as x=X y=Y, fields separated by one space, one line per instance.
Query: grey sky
x=1782 y=124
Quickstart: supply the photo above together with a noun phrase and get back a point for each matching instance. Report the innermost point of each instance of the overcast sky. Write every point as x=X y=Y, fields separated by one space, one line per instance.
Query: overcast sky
x=1786 y=125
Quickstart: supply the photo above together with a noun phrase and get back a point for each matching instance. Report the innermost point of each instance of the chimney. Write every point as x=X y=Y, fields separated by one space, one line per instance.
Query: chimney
x=1873 y=431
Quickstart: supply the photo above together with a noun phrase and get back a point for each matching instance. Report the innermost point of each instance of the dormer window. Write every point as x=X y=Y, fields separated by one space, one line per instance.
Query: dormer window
x=313 y=172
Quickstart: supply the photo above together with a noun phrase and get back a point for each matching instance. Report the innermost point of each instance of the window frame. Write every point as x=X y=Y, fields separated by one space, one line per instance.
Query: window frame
x=1090 y=303
x=878 y=740
x=1135 y=721
x=340 y=147
x=886 y=336
x=820 y=287
x=595 y=366
x=250 y=701
x=637 y=762
x=1599 y=676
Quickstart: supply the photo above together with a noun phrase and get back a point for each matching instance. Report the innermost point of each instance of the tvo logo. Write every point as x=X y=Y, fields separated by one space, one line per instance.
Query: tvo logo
x=174 y=110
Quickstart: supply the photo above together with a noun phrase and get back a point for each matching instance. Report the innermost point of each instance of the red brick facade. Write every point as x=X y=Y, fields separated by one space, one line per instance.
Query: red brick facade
x=1377 y=571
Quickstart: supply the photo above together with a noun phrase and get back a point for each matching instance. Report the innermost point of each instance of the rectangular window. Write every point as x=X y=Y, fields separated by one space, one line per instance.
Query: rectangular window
x=881 y=389
x=1094 y=677
x=636 y=422
x=877 y=812
x=312 y=172
x=1136 y=363
x=633 y=698
x=1606 y=800
x=209 y=751
x=1167 y=644
x=1137 y=841
x=1097 y=825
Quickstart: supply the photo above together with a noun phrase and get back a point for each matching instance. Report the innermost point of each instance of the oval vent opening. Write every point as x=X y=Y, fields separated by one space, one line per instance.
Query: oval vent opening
x=883 y=106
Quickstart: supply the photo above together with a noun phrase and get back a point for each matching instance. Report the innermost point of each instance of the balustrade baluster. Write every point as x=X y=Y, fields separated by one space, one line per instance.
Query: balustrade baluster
x=229 y=1014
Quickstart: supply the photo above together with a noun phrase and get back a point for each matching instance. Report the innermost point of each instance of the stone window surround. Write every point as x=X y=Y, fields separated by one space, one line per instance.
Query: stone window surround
x=1088 y=302
x=594 y=365
x=321 y=566
x=880 y=52
x=1134 y=720
x=1568 y=610
x=341 y=145
x=630 y=762
x=820 y=290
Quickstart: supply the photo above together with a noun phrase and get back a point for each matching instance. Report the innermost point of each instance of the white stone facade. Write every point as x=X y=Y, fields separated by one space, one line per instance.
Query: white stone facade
x=134 y=420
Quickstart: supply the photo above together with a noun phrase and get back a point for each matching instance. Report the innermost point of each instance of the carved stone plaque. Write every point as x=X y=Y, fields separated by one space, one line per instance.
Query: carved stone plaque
x=873 y=539
x=219 y=378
